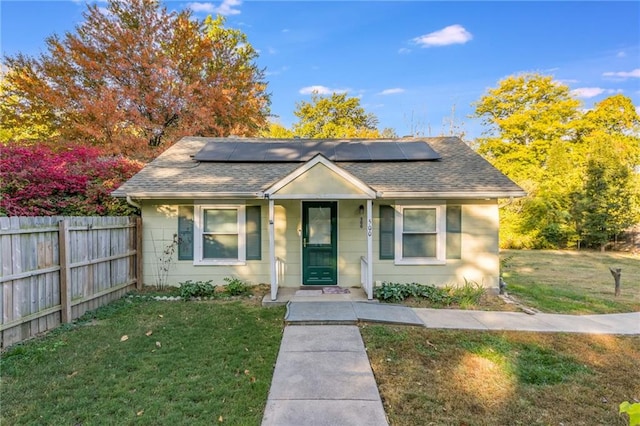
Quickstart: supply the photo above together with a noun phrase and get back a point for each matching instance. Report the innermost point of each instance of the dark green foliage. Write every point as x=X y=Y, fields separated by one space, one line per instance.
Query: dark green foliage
x=469 y=293
x=236 y=287
x=190 y=289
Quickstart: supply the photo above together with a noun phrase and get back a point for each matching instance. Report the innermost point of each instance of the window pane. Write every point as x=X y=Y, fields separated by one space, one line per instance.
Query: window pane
x=185 y=233
x=387 y=232
x=319 y=225
x=253 y=233
x=419 y=220
x=454 y=232
x=221 y=221
x=220 y=246
x=419 y=245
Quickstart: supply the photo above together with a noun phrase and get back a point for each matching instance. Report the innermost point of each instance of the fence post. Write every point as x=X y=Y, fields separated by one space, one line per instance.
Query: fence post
x=139 y=253
x=65 y=271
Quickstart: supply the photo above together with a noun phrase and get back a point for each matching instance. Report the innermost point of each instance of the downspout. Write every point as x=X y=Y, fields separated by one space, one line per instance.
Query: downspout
x=133 y=203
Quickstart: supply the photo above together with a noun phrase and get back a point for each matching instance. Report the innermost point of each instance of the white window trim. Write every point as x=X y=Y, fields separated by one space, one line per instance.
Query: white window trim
x=198 y=252
x=441 y=236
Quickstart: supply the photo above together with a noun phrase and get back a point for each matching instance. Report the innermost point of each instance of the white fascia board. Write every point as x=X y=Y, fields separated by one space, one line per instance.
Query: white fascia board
x=322 y=197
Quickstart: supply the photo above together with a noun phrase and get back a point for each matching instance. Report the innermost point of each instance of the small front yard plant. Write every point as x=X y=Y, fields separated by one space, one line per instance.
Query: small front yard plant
x=193 y=289
x=466 y=295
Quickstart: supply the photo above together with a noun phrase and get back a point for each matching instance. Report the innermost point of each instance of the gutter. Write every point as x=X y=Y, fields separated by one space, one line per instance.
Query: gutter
x=188 y=195
x=441 y=195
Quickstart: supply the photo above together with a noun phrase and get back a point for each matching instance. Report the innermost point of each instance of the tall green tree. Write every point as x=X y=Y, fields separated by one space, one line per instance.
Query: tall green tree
x=335 y=116
x=610 y=200
x=137 y=76
x=526 y=115
x=531 y=138
x=577 y=167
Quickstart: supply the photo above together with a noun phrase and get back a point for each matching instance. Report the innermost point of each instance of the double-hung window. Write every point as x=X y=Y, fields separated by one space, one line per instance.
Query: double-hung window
x=219 y=234
x=420 y=235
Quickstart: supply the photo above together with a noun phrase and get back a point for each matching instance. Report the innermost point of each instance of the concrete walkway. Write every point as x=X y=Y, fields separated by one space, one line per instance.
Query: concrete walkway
x=351 y=313
x=323 y=378
x=485 y=320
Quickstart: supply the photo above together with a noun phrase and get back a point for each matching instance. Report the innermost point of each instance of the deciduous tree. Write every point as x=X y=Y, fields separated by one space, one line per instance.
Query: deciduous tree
x=335 y=116
x=138 y=75
x=577 y=167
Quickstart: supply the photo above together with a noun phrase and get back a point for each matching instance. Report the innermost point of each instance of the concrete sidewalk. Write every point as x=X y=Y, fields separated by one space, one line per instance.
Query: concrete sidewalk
x=628 y=323
x=323 y=377
x=349 y=312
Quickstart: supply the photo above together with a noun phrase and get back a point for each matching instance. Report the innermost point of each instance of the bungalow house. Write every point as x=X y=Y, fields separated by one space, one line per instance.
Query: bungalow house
x=320 y=212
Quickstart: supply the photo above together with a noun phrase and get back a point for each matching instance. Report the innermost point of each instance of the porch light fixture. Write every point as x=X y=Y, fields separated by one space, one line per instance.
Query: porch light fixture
x=361 y=208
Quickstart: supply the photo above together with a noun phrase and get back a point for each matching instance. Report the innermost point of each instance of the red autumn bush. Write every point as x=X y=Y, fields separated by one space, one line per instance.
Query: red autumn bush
x=37 y=181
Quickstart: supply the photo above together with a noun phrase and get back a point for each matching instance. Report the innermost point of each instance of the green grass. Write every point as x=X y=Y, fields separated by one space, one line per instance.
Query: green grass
x=572 y=282
x=201 y=362
x=446 y=377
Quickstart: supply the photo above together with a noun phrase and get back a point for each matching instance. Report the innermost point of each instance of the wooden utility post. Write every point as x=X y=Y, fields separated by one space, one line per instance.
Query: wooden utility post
x=65 y=272
x=139 y=272
x=616 y=276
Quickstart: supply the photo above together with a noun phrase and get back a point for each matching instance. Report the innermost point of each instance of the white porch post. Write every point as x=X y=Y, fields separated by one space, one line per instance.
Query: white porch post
x=370 y=249
x=272 y=252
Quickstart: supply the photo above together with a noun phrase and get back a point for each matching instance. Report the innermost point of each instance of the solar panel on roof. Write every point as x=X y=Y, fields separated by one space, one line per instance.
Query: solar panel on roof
x=352 y=152
x=388 y=151
x=302 y=151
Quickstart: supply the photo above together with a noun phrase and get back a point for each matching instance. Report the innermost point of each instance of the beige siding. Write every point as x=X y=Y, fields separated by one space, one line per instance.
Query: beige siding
x=352 y=242
x=319 y=180
x=479 y=261
x=160 y=224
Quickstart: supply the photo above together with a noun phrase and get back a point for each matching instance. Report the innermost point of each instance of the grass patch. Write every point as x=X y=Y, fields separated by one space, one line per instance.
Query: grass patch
x=486 y=378
x=572 y=282
x=181 y=363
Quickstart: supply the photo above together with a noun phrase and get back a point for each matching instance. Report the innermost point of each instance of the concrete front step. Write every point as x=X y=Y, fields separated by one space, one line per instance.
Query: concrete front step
x=306 y=294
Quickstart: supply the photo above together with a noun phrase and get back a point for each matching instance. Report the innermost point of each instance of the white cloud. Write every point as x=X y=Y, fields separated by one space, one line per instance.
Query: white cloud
x=227 y=7
x=623 y=74
x=393 y=91
x=621 y=54
x=590 y=92
x=587 y=92
x=404 y=50
x=453 y=34
x=638 y=109
x=567 y=81
x=320 y=90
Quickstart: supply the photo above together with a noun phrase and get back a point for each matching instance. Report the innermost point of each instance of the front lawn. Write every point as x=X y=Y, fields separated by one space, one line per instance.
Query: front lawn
x=146 y=363
x=445 y=377
x=572 y=282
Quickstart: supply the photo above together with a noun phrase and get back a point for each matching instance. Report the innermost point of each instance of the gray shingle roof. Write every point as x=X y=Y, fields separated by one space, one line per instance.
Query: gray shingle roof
x=460 y=173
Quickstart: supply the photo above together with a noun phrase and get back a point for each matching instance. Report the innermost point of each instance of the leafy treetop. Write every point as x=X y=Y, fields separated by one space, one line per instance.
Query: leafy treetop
x=136 y=76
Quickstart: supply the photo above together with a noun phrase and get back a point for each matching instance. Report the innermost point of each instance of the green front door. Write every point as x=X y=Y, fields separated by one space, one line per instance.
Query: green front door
x=319 y=243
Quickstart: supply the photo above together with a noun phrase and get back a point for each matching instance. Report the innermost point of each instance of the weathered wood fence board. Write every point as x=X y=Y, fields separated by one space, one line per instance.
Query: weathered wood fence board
x=54 y=269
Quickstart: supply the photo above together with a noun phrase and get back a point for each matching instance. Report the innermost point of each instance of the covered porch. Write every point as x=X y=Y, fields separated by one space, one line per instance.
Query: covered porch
x=320 y=225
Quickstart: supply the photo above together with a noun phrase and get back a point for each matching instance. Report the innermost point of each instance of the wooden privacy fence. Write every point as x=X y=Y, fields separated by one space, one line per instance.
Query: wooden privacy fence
x=54 y=269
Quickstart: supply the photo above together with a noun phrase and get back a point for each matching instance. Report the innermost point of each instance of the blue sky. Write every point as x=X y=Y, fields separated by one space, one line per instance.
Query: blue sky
x=409 y=62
